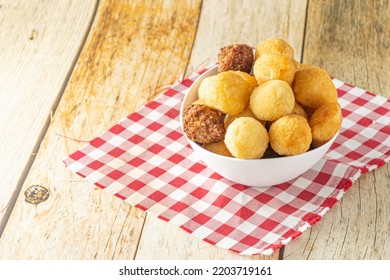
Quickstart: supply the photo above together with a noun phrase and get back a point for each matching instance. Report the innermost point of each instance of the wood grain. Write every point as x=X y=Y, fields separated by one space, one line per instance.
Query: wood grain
x=351 y=40
x=246 y=22
x=222 y=23
x=134 y=48
x=39 y=41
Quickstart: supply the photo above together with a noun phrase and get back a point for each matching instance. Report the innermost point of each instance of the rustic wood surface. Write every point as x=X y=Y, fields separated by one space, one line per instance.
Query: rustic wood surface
x=351 y=39
x=133 y=50
x=39 y=44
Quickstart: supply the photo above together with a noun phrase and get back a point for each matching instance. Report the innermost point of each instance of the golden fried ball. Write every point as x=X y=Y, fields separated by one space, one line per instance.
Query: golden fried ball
x=226 y=91
x=246 y=113
x=199 y=101
x=276 y=46
x=252 y=83
x=274 y=67
x=290 y=135
x=313 y=88
x=325 y=123
x=272 y=100
x=298 y=109
x=218 y=148
x=246 y=138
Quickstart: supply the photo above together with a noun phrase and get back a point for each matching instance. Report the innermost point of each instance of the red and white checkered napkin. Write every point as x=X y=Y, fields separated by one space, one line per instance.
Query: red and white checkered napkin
x=146 y=161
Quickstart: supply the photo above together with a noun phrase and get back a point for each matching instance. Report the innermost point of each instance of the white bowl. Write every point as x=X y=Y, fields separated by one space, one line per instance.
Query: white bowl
x=253 y=172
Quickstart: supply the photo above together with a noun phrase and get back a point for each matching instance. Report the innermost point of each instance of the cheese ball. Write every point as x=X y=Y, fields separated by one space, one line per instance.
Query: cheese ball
x=252 y=83
x=314 y=88
x=274 y=67
x=238 y=57
x=218 y=148
x=272 y=100
x=298 y=109
x=246 y=113
x=203 y=124
x=198 y=101
x=246 y=138
x=275 y=46
x=290 y=135
x=226 y=91
x=325 y=123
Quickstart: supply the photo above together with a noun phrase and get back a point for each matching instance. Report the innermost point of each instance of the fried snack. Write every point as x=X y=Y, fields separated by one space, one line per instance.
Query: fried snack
x=203 y=124
x=325 y=123
x=237 y=57
x=252 y=83
x=218 y=148
x=275 y=46
x=299 y=110
x=290 y=135
x=313 y=88
x=198 y=101
x=274 y=67
x=226 y=91
x=272 y=100
x=246 y=138
x=246 y=113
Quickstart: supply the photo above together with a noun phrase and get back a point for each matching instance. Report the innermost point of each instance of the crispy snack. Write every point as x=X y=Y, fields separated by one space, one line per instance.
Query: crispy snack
x=290 y=135
x=271 y=66
x=272 y=100
x=325 y=123
x=314 y=88
x=298 y=109
x=218 y=148
x=275 y=46
x=237 y=57
x=226 y=91
x=246 y=113
x=252 y=83
x=246 y=138
x=203 y=124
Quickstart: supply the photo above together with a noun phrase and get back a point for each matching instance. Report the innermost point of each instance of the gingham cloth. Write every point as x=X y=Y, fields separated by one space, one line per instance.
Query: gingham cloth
x=146 y=161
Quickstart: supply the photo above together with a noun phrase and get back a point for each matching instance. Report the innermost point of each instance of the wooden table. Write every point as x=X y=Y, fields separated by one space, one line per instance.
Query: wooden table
x=72 y=69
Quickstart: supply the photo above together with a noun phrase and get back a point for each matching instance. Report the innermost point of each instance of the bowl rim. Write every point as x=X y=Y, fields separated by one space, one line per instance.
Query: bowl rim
x=233 y=159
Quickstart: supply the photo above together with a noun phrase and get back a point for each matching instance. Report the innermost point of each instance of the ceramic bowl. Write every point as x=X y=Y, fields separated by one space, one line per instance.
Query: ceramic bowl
x=253 y=172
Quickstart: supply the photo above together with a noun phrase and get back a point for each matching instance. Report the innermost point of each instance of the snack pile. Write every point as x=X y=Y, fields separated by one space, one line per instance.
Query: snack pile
x=285 y=108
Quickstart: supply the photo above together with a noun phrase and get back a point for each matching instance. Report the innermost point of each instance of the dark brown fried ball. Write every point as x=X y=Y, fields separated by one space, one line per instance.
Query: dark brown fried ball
x=203 y=124
x=237 y=57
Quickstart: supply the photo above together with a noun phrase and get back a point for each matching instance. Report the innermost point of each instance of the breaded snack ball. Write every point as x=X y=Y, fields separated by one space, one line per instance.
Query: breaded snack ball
x=252 y=83
x=298 y=109
x=275 y=46
x=246 y=113
x=290 y=135
x=313 y=88
x=218 y=148
x=203 y=124
x=272 y=100
x=238 y=57
x=325 y=123
x=274 y=67
x=246 y=138
x=226 y=91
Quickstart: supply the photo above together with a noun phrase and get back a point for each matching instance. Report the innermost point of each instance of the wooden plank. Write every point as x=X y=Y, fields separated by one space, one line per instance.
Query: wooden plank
x=350 y=39
x=222 y=23
x=38 y=45
x=134 y=48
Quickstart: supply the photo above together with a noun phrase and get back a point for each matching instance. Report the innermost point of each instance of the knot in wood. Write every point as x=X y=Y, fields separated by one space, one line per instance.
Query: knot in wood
x=36 y=194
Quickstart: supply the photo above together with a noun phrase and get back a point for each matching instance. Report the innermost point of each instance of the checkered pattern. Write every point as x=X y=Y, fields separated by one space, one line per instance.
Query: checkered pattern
x=146 y=161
